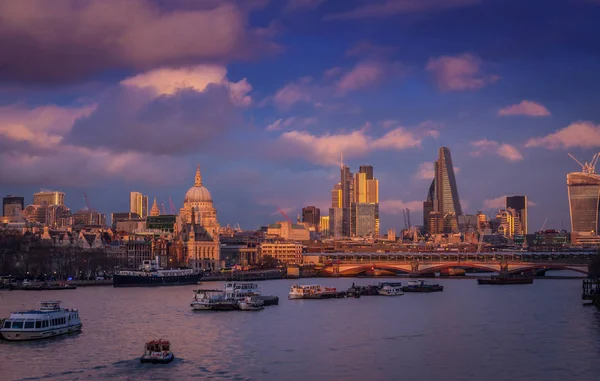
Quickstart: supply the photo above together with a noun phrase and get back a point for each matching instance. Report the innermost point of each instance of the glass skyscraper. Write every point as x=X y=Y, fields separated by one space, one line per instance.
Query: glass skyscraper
x=584 y=201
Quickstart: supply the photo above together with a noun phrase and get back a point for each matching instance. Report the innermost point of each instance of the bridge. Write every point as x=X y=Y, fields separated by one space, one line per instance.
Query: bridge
x=351 y=264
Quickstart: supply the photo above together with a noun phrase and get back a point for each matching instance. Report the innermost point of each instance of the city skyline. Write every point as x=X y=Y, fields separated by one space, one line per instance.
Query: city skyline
x=268 y=107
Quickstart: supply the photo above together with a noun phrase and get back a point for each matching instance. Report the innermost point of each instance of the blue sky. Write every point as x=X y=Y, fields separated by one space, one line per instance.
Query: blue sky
x=106 y=97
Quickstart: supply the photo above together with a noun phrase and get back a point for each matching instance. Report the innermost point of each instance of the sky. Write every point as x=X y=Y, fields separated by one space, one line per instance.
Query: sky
x=111 y=96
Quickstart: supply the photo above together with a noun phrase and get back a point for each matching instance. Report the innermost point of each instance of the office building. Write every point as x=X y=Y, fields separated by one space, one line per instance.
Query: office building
x=364 y=219
x=12 y=206
x=324 y=226
x=138 y=203
x=165 y=222
x=519 y=203
x=509 y=223
x=584 y=200
x=311 y=215
x=336 y=222
x=45 y=198
x=123 y=216
x=336 y=196
x=445 y=199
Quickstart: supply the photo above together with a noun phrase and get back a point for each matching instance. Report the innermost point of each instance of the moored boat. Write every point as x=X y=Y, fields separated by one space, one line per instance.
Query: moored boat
x=503 y=279
x=314 y=291
x=49 y=287
x=157 y=352
x=212 y=300
x=390 y=289
x=251 y=303
x=238 y=291
x=49 y=321
x=150 y=274
x=421 y=286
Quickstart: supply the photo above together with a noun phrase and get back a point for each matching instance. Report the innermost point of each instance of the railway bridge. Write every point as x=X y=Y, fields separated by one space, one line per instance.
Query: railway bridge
x=351 y=264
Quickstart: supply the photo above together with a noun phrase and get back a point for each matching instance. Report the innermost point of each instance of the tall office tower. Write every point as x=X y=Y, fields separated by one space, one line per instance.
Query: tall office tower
x=46 y=198
x=519 y=203
x=336 y=222
x=138 y=203
x=347 y=197
x=336 y=196
x=312 y=215
x=428 y=208
x=12 y=206
x=509 y=223
x=367 y=170
x=584 y=198
x=446 y=201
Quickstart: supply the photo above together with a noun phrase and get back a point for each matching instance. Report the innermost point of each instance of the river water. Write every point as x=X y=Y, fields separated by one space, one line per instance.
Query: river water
x=467 y=332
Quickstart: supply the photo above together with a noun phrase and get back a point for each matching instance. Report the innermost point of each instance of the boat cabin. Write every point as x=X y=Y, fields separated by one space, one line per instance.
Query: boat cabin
x=49 y=316
x=157 y=346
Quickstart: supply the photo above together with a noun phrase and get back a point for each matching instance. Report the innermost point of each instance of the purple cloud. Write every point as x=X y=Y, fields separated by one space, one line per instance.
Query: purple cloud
x=63 y=40
x=526 y=108
x=388 y=8
x=459 y=73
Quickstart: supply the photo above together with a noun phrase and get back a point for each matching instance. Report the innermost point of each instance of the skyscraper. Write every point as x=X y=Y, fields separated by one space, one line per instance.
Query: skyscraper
x=346 y=182
x=584 y=198
x=428 y=206
x=519 y=203
x=311 y=215
x=336 y=196
x=367 y=170
x=445 y=201
x=364 y=208
x=138 y=203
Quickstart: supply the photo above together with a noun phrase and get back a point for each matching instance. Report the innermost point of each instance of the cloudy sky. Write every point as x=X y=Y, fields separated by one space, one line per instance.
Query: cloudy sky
x=110 y=96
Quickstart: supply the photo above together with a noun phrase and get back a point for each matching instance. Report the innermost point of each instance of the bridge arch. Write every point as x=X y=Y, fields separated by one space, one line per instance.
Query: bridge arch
x=547 y=267
x=437 y=268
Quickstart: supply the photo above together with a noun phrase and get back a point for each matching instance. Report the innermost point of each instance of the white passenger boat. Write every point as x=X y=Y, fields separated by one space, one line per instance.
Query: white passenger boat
x=50 y=320
x=390 y=289
x=312 y=291
x=251 y=303
x=157 y=352
x=240 y=290
x=212 y=300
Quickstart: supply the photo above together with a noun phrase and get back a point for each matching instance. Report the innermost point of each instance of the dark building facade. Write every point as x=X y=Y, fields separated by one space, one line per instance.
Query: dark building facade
x=166 y=222
x=122 y=216
x=368 y=170
x=519 y=203
x=312 y=215
x=12 y=205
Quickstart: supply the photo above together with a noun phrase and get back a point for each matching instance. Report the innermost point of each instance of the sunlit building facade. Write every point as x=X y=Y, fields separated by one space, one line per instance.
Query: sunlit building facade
x=49 y=198
x=138 y=203
x=584 y=202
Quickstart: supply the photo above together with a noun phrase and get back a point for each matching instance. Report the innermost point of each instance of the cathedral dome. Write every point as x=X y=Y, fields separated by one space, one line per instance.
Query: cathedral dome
x=198 y=193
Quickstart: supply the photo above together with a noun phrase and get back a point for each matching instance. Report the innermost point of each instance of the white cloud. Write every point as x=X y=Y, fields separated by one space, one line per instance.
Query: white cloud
x=495 y=203
x=527 y=108
x=197 y=78
x=426 y=171
x=459 y=73
x=583 y=134
x=507 y=151
x=396 y=206
x=325 y=149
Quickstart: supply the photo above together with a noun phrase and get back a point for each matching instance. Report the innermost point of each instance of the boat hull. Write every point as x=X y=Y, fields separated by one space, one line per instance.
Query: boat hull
x=154 y=281
x=47 y=288
x=38 y=335
x=423 y=289
x=224 y=306
x=157 y=360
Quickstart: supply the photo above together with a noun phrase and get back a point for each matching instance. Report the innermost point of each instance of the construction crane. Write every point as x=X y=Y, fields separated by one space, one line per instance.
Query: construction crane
x=408 y=217
x=172 y=207
x=405 y=221
x=162 y=206
x=285 y=215
x=544 y=225
x=87 y=202
x=589 y=168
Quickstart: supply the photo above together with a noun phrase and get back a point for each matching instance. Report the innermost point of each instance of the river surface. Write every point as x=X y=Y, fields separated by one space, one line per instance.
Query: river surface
x=467 y=332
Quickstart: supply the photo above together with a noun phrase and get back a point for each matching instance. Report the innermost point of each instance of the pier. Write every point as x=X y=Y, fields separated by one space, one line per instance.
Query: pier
x=591 y=291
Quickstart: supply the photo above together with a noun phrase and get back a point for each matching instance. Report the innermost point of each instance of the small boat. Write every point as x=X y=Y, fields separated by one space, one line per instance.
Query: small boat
x=504 y=279
x=150 y=274
x=314 y=291
x=421 y=286
x=212 y=300
x=251 y=303
x=49 y=321
x=48 y=287
x=157 y=352
x=390 y=289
